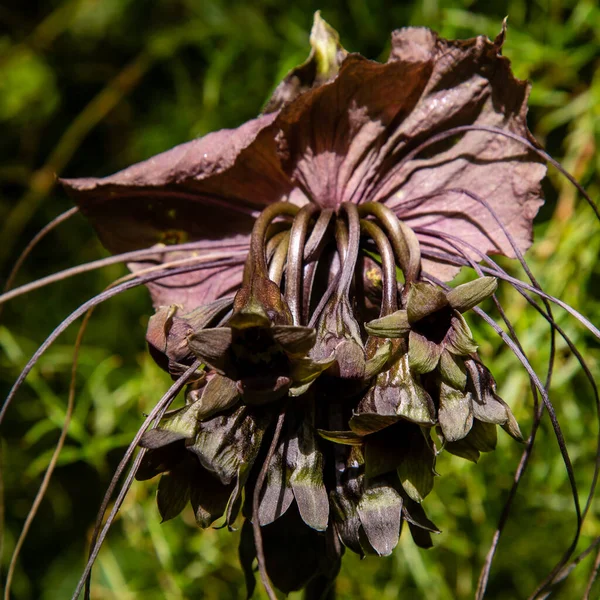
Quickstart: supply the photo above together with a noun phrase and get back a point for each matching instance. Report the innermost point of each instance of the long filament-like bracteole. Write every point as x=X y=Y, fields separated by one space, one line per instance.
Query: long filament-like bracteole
x=454 y=260
x=154 y=415
x=241 y=249
x=593 y=574
x=404 y=241
x=53 y=460
x=555 y=425
x=260 y=482
x=513 y=136
x=293 y=275
x=35 y=241
x=83 y=309
x=454 y=241
x=563 y=450
x=536 y=287
x=389 y=303
x=538 y=412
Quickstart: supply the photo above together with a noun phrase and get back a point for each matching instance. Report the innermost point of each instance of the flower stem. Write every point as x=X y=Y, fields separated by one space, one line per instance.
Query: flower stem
x=389 y=302
x=257 y=261
x=293 y=275
x=404 y=241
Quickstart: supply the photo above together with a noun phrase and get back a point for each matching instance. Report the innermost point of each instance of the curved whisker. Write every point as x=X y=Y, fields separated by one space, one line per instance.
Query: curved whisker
x=507 y=134
x=49 y=227
x=82 y=310
x=155 y=415
x=555 y=425
x=135 y=255
x=454 y=242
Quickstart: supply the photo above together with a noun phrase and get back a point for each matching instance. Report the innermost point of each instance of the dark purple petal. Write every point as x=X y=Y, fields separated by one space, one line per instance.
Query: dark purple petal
x=276 y=495
x=173 y=491
x=208 y=497
x=380 y=512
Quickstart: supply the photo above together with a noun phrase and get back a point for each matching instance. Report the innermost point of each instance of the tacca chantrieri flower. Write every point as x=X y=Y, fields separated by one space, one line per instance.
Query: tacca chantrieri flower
x=325 y=371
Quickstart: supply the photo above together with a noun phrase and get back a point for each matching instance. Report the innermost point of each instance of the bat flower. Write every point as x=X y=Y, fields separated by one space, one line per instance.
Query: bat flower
x=271 y=244
x=441 y=348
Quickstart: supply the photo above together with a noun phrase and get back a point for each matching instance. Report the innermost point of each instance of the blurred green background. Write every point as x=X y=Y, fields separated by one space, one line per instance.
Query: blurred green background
x=88 y=87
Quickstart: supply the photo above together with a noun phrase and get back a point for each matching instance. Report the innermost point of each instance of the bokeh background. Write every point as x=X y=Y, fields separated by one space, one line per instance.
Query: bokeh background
x=88 y=87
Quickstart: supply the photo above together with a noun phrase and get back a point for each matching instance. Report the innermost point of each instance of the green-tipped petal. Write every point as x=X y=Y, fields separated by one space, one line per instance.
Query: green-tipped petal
x=380 y=513
x=423 y=355
x=391 y=326
x=459 y=339
x=452 y=371
x=416 y=471
x=424 y=299
x=455 y=413
x=464 y=297
x=322 y=65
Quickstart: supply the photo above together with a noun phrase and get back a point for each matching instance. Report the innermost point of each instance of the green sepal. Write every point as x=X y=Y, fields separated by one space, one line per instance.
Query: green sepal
x=423 y=300
x=212 y=346
x=173 y=492
x=376 y=363
x=306 y=479
x=423 y=355
x=346 y=438
x=296 y=342
x=452 y=371
x=380 y=513
x=391 y=326
x=481 y=438
x=459 y=339
x=420 y=526
x=365 y=423
x=306 y=370
x=417 y=469
x=226 y=442
x=259 y=304
x=464 y=297
x=277 y=494
x=455 y=413
x=208 y=497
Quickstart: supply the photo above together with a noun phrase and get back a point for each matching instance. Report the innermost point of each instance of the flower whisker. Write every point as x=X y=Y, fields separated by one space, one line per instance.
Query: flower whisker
x=125 y=257
x=100 y=531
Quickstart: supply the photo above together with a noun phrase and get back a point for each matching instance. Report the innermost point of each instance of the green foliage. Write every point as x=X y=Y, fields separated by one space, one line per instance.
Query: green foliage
x=89 y=87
